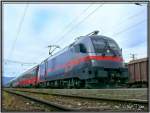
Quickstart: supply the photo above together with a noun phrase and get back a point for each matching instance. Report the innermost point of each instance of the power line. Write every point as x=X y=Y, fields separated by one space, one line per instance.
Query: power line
x=18 y=62
x=50 y=53
x=78 y=23
x=75 y=19
x=128 y=28
x=19 y=30
x=130 y=17
x=137 y=14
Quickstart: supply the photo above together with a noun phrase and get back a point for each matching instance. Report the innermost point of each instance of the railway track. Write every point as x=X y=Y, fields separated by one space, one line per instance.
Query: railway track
x=60 y=107
x=15 y=103
x=140 y=101
x=116 y=104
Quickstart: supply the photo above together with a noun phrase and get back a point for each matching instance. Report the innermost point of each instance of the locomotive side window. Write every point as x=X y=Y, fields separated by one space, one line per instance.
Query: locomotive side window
x=82 y=48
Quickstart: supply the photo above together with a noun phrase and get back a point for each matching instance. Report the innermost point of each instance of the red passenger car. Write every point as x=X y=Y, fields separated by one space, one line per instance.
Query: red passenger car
x=29 y=78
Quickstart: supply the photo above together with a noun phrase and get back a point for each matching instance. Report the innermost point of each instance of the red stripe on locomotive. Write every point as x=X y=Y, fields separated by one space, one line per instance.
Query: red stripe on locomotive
x=74 y=62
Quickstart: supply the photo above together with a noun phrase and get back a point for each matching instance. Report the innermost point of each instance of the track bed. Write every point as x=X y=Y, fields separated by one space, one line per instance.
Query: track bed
x=15 y=103
x=85 y=104
x=131 y=93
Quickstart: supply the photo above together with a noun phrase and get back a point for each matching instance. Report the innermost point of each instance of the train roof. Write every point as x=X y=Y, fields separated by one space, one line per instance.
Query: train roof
x=138 y=60
x=102 y=36
x=28 y=70
x=77 y=40
x=22 y=74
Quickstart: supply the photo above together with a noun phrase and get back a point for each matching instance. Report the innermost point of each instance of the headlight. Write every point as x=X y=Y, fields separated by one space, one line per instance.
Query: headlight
x=108 y=50
x=93 y=61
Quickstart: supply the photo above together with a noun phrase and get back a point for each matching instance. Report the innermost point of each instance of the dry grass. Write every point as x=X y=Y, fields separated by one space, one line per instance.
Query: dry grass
x=12 y=102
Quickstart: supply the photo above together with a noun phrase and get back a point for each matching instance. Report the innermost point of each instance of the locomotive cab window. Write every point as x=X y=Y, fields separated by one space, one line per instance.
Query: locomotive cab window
x=99 y=44
x=80 y=48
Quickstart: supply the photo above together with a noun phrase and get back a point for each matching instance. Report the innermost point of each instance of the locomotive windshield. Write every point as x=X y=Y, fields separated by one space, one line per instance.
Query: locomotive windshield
x=101 y=44
x=113 y=45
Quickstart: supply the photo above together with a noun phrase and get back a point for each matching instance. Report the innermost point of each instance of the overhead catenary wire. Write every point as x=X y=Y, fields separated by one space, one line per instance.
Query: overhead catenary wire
x=129 y=17
x=17 y=36
x=74 y=20
x=128 y=28
x=15 y=40
x=70 y=23
x=18 y=62
x=79 y=23
x=18 y=31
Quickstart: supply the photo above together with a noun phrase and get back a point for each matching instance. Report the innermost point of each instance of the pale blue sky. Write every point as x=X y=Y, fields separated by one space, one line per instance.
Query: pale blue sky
x=45 y=24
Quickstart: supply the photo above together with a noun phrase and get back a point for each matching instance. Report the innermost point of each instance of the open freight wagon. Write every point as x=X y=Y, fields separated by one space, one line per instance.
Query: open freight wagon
x=138 y=71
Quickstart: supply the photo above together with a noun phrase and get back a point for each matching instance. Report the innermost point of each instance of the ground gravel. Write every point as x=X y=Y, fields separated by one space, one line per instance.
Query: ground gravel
x=14 y=103
x=90 y=105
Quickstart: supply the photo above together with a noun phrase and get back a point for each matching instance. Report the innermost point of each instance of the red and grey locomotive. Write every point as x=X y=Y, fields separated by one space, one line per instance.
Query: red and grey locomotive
x=92 y=61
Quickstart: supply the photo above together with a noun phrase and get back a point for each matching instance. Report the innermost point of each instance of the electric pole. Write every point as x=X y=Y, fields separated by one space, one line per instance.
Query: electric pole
x=133 y=56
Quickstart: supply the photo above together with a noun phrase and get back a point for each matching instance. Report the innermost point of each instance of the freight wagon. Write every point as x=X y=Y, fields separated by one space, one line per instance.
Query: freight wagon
x=138 y=73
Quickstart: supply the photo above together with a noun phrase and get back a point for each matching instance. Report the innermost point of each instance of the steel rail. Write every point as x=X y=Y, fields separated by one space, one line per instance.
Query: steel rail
x=139 y=101
x=43 y=101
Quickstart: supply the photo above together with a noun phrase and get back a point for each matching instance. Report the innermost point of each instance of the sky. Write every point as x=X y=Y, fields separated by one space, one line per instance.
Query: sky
x=29 y=28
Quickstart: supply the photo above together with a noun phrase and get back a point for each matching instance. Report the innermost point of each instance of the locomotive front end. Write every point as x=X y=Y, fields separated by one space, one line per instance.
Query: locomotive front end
x=107 y=62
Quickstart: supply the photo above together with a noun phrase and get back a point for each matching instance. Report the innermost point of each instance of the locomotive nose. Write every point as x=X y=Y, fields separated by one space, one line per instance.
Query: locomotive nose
x=107 y=62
